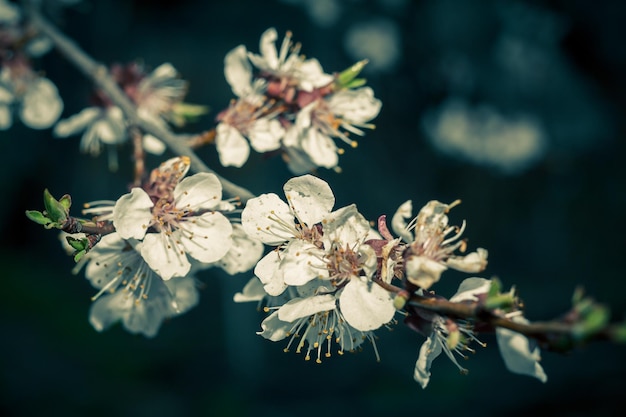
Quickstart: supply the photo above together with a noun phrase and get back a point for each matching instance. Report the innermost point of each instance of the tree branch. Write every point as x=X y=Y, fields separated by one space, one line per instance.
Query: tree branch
x=99 y=74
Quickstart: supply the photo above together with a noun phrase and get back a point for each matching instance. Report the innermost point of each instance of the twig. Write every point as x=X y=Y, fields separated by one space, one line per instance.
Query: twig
x=99 y=74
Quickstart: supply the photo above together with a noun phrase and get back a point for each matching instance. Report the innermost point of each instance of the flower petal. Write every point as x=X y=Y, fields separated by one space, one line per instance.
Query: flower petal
x=273 y=328
x=310 y=198
x=267 y=270
x=238 y=71
x=303 y=307
x=132 y=214
x=41 y=104
x=428 y=352
x=165 y=256
x=244 y=253
x=232 y=147
x=252 y=291
x=423 y=271
x=302 y=262
x=470 y=288
x=366 y=305
x=265 y=135
x=76 y=123
x=268 y=219
x=202 y=191
x=206 y=238
x=399 y=224
x=517 y=353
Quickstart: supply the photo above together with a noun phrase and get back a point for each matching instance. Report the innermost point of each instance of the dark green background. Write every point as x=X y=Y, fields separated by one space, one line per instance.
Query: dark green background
x=548 y=229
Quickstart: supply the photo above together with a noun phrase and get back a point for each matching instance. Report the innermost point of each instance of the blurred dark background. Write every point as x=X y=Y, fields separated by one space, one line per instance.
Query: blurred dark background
x=515 y=107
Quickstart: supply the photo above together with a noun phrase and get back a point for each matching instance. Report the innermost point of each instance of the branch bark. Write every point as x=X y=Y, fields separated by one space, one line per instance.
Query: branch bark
x=99 y=74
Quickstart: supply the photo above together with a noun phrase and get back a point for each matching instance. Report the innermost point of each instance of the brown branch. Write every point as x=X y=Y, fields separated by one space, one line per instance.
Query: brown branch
x=557 y=335
x=99 y=74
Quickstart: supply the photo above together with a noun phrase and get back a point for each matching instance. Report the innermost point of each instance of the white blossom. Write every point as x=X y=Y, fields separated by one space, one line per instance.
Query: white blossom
x=35 y=98
x=130 y=291
x=334 y=116
x=287 y=64
x=431 y=248
x=177 y=219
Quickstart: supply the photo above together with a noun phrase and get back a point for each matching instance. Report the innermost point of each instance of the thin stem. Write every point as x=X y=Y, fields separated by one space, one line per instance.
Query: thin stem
x=138 y=156
x=99 y=74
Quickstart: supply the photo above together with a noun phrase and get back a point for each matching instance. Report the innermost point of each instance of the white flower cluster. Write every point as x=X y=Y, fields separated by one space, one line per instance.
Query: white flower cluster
x=33 y=97
x=166 y=231
x=104 y=124
x=319 y=276
x=329 y=279
x=288 y=103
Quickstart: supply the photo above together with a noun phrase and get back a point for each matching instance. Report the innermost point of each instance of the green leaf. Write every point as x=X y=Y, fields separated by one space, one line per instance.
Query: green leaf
x=346 y=76
x=356 y=83
x=54 y=209
x=66 y=202
x=37 y=217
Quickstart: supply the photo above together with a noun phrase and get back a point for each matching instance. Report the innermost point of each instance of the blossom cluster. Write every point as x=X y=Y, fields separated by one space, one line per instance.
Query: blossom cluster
x=331 y=279
x=165 y=231
x=34 y=98
x=287 y=103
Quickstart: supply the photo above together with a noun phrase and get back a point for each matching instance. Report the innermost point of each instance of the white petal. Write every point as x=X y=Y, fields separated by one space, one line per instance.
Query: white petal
x=304 y=307
x=244 y=253
x=470 y=288
x=310 y=198
x=206 y=238
x=366 y=305
x=268 y=219
x=41 y=105
x=252 y=291
x=398 y=222
x=132 y=214
x=6 y=119
x=238 y=71
x=165 y=256
x=472 y=262
x=357 y=106
x=202 y=191
x=232 y=147
x=321 y=148
x=518 y=355
x=184 y=294
x=273 y=328
x=265 y=135
x=428 y=352
x=267 y=270
x=312 y=75
x=76 y=123
x=301 y=263
x=346 y=226
x=153 y=145
x=267 y=48
x=423 y=271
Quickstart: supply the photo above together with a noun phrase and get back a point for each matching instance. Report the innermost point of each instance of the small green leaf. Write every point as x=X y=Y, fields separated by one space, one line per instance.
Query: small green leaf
x=78 y=255
x=356 y=83
x=66 y=202
x=593 y=321
x=54 y=209
x=37 y=217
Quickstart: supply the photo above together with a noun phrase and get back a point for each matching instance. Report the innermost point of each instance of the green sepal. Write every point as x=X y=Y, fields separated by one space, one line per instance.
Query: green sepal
x=38 y=217
x=349 y=74
x=78 y=244
x=356 y=83
x=79 y=255
x=66 y=202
